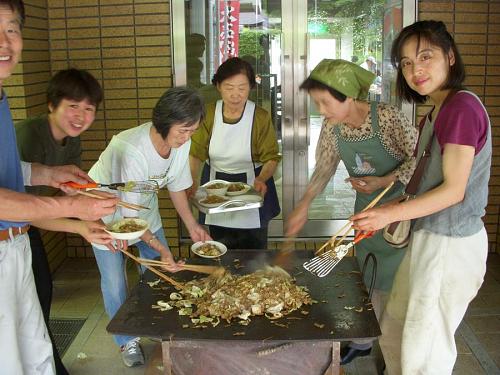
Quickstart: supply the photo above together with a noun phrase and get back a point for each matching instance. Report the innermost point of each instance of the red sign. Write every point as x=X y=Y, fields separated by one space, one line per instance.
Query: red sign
x=229 y=15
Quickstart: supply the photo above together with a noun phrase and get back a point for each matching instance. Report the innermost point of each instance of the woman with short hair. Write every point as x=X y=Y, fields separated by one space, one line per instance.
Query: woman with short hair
x=159 y=151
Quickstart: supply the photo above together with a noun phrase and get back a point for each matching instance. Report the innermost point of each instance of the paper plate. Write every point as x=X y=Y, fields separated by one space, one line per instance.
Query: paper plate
x=196 y=246
x=117 y=230
x=239 y=192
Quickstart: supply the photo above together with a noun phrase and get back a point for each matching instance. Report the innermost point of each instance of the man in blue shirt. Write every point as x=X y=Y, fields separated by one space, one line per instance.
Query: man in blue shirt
x=24 y=343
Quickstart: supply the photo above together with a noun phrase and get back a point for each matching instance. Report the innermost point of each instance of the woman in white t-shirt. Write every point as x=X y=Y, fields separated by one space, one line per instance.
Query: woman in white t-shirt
x=157 y=150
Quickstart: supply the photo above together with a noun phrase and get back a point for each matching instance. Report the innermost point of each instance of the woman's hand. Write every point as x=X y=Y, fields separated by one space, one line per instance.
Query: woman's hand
x=297 y=219
x=368 y=184
x=375 y=218
x=172 y=266
x=93 y=231
x=198 y=233
x=260 y=186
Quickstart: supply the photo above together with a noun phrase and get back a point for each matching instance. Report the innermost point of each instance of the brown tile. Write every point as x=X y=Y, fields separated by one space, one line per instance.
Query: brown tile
x=467 y=364
x=484 y=324
x=490 y=341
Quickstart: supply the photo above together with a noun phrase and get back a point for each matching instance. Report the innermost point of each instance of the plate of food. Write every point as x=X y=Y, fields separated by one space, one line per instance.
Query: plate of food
x=211 y=201
x=127 y=229
x=237 y=188
x=209 y=249
x=216 y=187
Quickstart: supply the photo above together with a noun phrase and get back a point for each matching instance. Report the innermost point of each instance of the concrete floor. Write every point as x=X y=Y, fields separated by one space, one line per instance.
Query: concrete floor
x=77 y=295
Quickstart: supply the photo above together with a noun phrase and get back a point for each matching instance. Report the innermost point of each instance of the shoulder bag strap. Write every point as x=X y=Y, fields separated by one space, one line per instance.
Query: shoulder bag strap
x=412 y=187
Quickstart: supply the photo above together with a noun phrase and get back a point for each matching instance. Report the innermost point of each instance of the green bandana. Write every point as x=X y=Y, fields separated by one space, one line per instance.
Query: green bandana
x=344 y=76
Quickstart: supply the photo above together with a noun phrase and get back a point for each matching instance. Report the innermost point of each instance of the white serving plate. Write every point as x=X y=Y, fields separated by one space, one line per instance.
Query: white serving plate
x=219 y=191
x=112 y=227
x=239 y=192
x=211 y=205
x=221 y=246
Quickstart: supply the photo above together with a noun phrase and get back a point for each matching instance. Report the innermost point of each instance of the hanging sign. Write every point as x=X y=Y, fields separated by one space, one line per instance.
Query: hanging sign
x=229 y=15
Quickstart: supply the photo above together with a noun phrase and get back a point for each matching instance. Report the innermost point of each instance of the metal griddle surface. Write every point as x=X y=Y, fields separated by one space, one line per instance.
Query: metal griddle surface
x=336 y=294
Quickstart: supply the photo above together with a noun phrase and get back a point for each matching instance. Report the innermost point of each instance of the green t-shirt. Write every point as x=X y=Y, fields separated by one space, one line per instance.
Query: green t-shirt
x=37 y=145
x=264 y=142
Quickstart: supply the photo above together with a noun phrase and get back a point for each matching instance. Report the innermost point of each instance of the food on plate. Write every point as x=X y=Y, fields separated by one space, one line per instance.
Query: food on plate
x=213 y=199
x=209 y=249
x=216 y=185
x=236 y=186
x=270 y=291
x=127 y=226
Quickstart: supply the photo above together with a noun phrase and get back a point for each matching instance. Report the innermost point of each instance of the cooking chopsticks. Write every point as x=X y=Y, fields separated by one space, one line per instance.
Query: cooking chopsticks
x=348 y=225
x=131 y=206
x=188 y=267
x=176 y=284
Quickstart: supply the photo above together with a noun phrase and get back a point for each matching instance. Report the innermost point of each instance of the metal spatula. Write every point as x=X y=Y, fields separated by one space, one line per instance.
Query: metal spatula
x=323 y=264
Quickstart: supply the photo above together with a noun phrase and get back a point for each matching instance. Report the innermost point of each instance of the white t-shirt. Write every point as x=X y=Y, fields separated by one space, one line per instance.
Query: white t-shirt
x=131 y=156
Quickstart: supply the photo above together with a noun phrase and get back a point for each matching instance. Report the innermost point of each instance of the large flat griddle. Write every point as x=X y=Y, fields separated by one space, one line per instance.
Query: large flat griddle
x=338 y=295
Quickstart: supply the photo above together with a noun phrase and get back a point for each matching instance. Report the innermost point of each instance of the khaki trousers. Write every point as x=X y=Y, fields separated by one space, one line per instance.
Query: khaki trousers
x=437 y=279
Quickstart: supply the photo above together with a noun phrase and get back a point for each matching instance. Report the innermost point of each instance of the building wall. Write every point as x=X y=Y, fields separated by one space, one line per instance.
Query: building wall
x=475 y=25
x=125 y=44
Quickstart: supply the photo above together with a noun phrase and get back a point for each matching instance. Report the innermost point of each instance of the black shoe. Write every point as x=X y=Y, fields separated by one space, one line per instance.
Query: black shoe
x=347 y=354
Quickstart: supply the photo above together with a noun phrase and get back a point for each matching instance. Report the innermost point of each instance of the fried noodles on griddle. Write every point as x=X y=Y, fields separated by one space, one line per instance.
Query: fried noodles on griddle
x=271 y=292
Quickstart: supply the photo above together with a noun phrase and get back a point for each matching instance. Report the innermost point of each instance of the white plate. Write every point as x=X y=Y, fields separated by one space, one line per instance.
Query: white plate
x=221 y=246
x=219 y=191
x=213 y=182
x=239 y=192
x=112 y=227
x=211 y=205
x=250 y=198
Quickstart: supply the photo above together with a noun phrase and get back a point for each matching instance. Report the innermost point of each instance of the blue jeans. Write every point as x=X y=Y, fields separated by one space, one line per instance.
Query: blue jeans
x=113 y=281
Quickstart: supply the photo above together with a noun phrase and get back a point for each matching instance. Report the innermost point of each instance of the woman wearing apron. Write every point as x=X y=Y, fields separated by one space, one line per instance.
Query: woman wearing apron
x=375 y=141
x=237 y=142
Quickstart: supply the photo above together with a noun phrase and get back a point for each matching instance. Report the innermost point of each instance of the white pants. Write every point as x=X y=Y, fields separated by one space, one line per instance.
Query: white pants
x=25 y=347
x=436 y=281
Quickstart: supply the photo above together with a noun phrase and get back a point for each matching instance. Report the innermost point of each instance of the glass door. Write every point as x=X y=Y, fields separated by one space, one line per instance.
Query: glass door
x=284 y=40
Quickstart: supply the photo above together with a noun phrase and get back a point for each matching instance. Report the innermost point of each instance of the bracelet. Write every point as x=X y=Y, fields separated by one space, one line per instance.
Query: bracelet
x=153 y=237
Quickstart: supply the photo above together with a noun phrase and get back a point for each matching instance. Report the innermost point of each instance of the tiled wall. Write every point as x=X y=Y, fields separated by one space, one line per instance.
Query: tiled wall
x=125 y=44
x=475 y=25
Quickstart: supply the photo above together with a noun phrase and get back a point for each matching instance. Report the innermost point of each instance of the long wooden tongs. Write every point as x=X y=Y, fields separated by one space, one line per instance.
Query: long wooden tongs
x=344 y=231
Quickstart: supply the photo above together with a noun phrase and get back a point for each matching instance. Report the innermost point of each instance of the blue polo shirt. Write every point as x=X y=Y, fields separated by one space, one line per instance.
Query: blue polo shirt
x=11 y=176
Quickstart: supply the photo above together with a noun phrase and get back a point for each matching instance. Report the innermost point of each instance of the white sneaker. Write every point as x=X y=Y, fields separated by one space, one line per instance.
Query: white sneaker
x=132 y=354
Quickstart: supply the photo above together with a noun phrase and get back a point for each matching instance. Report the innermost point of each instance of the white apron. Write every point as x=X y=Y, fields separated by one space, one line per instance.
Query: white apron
x=230 y=151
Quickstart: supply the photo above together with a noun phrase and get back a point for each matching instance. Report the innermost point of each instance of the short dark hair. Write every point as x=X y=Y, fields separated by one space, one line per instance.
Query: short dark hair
x=311 y=84
x=178 y=105
x=74 y=84
x=232 y=67
x=16 y=6
x=436 y=34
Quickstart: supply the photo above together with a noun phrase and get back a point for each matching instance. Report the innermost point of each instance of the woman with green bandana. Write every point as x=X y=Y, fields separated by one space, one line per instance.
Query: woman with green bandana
x=375 y=141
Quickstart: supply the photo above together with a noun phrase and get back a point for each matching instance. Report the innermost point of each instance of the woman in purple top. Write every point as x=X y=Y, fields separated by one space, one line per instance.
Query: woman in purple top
x=446 y=258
